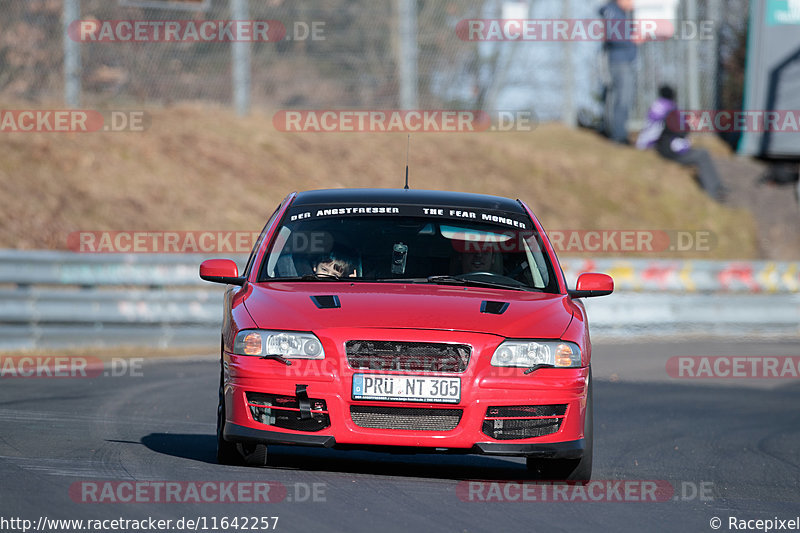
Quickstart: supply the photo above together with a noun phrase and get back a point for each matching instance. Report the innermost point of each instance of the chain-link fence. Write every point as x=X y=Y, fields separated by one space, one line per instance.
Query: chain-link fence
x=354 y=54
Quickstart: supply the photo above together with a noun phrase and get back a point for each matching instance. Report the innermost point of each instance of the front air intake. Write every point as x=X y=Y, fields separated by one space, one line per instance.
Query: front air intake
x=285 y=412
x=511 y=422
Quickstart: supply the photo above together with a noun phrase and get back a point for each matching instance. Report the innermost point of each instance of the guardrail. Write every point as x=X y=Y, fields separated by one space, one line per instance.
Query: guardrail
x=52 y=299
x=97 y=270
x=692 y=276
x=61 y=299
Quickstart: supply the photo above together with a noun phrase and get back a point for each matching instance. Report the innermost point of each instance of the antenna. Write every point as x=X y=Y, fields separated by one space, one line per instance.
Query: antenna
x=408 y=148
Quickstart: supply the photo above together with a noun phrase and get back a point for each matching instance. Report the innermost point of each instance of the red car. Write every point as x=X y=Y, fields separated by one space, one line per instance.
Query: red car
x=406 y=320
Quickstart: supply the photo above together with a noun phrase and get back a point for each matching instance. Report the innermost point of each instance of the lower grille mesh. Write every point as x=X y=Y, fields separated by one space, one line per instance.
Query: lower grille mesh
x=415 y=419
x=510 y=422
x=526 y=411
x=521 y=428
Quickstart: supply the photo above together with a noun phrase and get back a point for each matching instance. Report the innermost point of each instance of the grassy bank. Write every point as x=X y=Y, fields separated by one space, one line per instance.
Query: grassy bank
x=197 y=168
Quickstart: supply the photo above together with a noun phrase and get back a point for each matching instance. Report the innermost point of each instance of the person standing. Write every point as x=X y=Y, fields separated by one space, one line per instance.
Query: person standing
x=621 y=52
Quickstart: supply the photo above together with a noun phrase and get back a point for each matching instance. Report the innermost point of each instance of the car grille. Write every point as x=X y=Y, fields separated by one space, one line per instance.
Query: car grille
x=408 y=356
x=409 y=418
x=512 y=422
x=284 y=412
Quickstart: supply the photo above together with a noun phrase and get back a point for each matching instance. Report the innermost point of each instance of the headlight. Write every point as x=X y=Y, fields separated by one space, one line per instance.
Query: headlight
x=527 y=354
x=288 y=344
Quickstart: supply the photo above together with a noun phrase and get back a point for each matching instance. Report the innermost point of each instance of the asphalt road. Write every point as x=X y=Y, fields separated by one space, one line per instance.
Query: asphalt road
x=713 y=448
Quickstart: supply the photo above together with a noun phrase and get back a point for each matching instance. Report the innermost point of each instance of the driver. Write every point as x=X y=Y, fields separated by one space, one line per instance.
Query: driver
x=332 y=266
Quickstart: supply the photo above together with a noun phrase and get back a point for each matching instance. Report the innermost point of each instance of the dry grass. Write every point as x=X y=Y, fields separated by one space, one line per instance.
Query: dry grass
x=203 y=168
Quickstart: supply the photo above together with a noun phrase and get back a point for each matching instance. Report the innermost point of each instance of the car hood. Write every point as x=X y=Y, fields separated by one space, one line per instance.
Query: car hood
x=290 y=306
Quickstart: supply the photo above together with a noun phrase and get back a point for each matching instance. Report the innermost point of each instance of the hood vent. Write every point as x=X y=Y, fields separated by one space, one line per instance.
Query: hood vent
x=326 y=302
x=493 y=308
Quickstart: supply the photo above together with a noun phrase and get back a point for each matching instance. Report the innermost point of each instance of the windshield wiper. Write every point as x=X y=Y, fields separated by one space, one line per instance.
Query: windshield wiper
x=452 y=280
x=446 y=279
x=399 y=280
x=320 y=275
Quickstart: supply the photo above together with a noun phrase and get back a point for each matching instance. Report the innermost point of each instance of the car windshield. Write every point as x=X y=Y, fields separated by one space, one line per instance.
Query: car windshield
x=416 y=249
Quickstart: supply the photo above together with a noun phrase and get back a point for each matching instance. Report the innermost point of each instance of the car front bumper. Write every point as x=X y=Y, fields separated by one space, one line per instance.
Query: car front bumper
x=555 y=399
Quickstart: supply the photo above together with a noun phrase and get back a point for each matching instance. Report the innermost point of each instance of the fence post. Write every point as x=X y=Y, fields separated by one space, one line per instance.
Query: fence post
x=693 y=59
x=569 y=117
x=72 y=55
x=714 y=13
x=240 y=50
x=407 y=62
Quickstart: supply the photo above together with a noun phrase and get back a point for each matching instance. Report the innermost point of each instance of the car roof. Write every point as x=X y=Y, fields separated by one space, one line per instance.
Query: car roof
x=407 y=197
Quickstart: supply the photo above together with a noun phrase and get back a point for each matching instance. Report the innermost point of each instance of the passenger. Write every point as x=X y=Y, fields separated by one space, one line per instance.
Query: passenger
x=479 y=261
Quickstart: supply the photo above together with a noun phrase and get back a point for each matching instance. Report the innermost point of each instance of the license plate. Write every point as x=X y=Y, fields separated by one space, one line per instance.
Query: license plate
x=406 y=388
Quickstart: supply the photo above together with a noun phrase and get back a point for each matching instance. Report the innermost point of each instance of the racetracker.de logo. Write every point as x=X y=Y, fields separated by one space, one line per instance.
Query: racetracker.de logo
x=380 y=121
x=147 y=492
x=593 y=491
x=168 y=242
x=631 y=241
x=44 y=367
x=176 y=31
x=736 y=121
x=71 y=121
x=591 y=241
x=582 y=30
x=733 y=367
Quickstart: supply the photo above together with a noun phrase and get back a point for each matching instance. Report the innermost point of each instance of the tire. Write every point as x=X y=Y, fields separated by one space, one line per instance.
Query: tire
x=579 y=470
x=227 y=452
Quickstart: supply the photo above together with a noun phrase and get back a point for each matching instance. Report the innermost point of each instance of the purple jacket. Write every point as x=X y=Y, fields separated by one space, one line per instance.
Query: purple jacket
x=660 y=109
x=660 y=130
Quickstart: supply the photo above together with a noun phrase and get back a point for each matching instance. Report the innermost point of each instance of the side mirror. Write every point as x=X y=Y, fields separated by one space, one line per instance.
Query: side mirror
x=592 y=284
x=221 y=271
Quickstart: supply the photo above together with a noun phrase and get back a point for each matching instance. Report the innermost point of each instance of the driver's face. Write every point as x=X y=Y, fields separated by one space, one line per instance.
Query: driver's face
x=332 y=267
x=477 y=261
